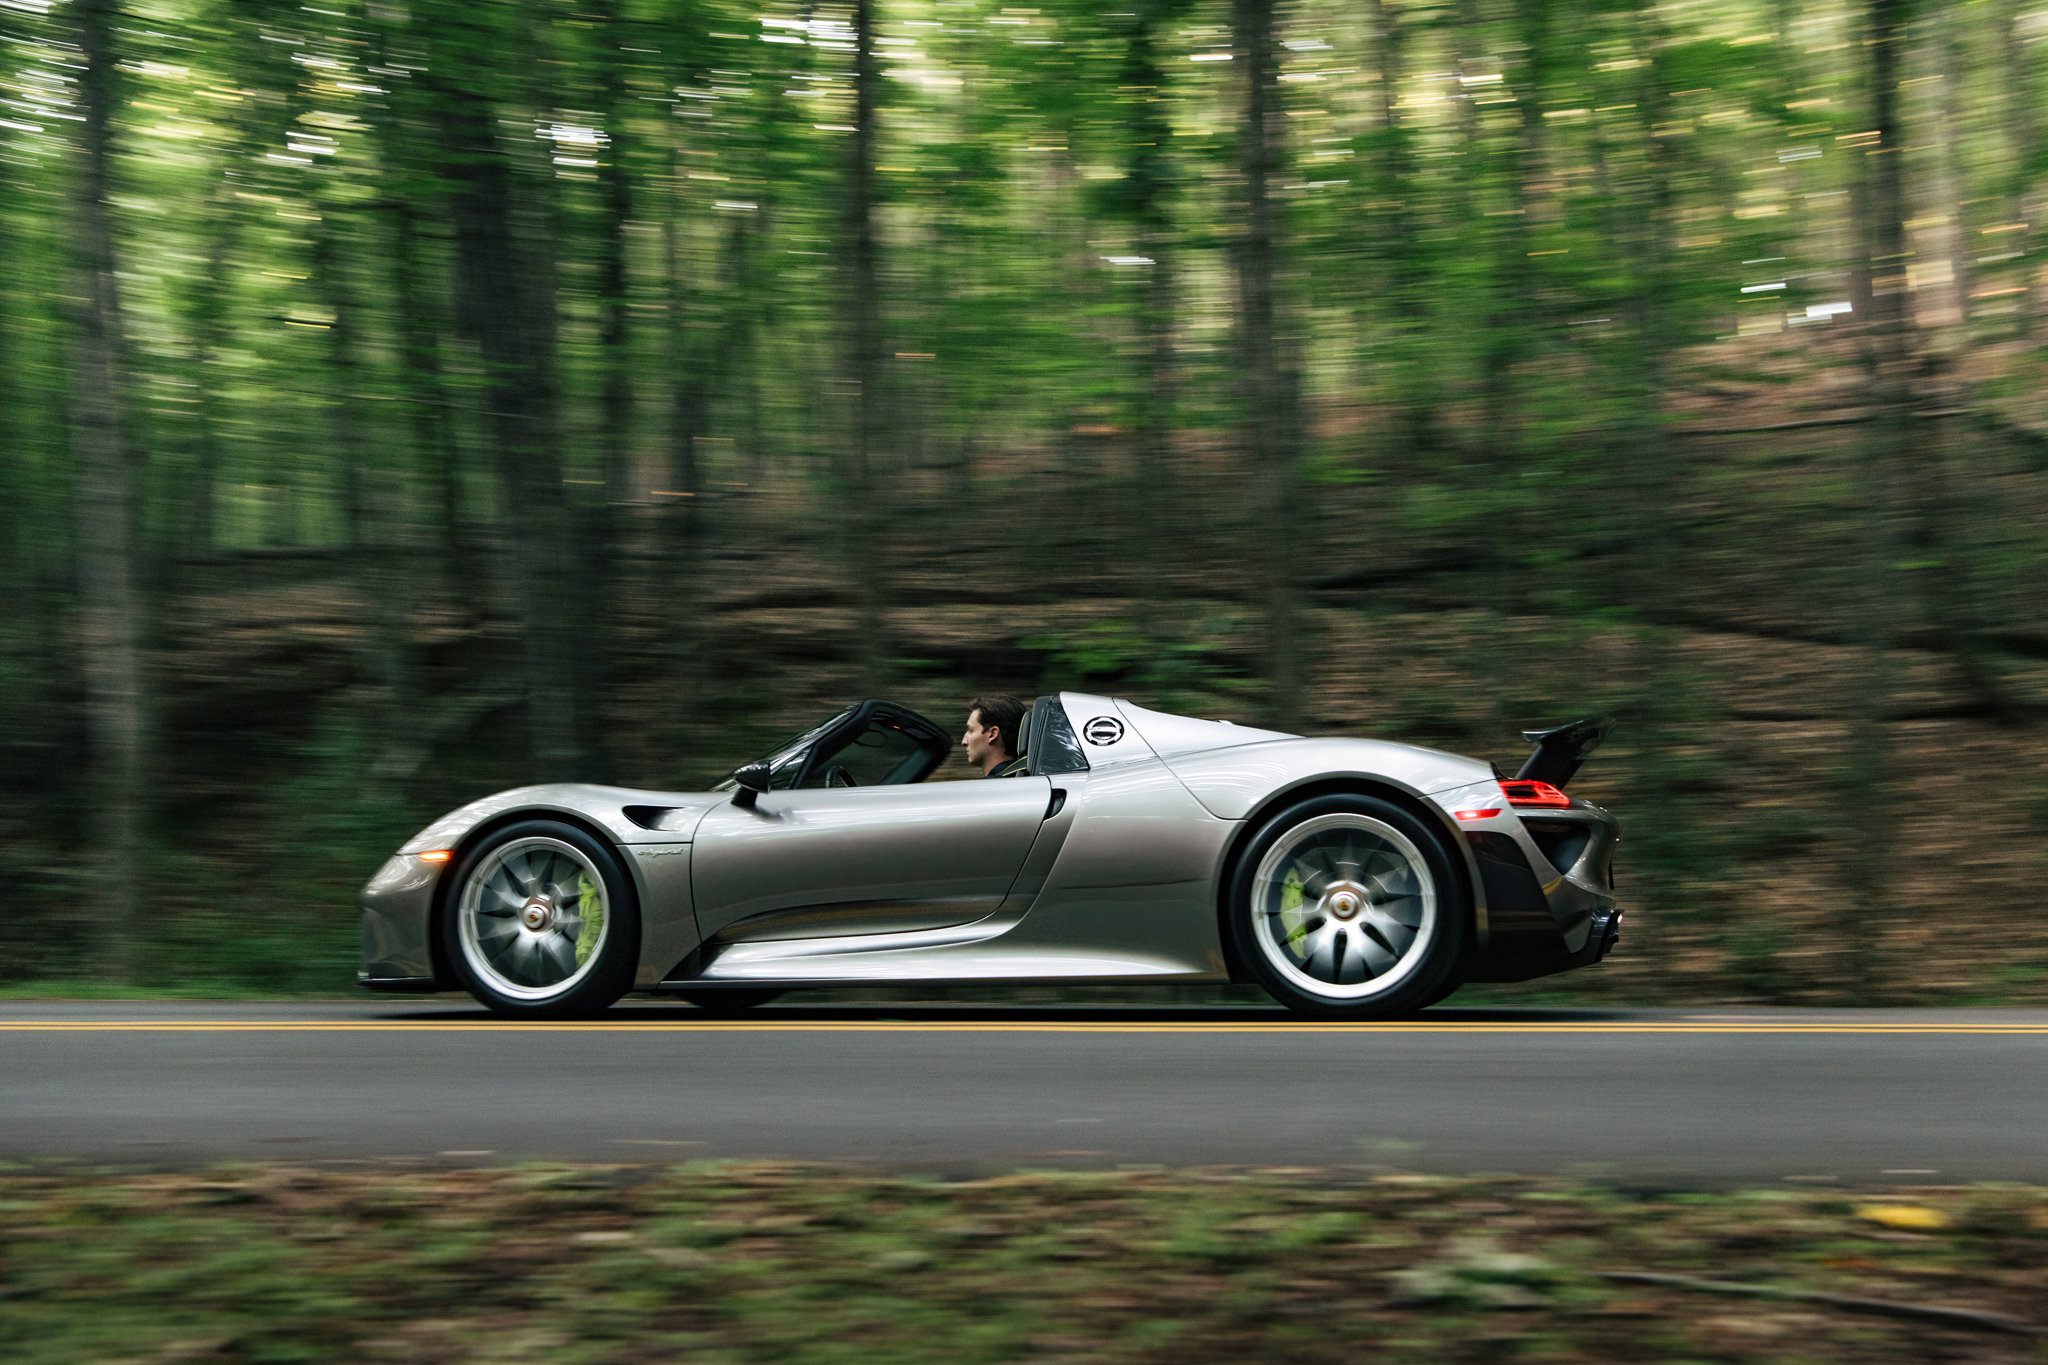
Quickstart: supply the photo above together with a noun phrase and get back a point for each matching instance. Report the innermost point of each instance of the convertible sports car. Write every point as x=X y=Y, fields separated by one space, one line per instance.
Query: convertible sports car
x=1352 y=879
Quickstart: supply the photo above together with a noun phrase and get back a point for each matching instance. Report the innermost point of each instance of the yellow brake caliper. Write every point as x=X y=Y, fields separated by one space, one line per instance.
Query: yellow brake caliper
x=1292 y=920
x=590 y=910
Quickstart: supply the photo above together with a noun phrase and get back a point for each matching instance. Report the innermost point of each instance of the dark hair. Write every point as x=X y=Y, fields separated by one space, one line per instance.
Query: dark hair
x=1002 y=713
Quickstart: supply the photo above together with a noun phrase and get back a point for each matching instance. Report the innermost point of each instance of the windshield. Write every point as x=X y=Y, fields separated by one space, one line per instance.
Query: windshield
x=786 y=759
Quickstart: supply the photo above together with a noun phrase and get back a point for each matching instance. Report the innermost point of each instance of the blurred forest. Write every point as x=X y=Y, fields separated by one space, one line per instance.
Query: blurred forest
x=403 y=399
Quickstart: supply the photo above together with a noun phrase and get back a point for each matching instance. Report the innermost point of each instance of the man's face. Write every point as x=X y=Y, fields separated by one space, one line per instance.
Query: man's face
x=979 y=743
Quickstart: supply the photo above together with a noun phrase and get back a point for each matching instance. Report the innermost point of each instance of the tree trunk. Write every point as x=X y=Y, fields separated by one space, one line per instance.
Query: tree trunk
x=378 y=554
x=686 y=520
x=1154 y=512
x=1804 y=232
x=1514 y=324
x=434 y=439
x=103 y=501
x=1951 y=174
x=1887 y=355
x=1271 y=437
x=511 y=311
x=866 y=557
x=2023 y=129
x=604 y=584
x=748 y=358
x=1950 y=584
x=1646 y=233
x=22 y=656
x=13 y=394
x=743 y=345
x=687 y=389
x=1641 y=228
x=1094 y=531
x=1498 y=238
x=405 y=170
x=254 y=123
x=729 y=365
x=209 y=330
x=1413 y=389
x=617 y=401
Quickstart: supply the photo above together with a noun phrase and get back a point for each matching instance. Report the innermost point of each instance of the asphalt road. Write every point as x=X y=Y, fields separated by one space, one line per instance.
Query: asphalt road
x=1652 y=1096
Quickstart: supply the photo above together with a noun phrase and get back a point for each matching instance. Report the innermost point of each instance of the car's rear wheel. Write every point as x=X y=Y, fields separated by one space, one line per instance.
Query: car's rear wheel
x=541 y=922
x=1348 y=906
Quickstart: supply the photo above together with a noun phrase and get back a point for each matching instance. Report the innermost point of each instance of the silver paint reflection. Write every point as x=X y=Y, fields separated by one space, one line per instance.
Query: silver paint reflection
x=986 y=880
x=952 y=842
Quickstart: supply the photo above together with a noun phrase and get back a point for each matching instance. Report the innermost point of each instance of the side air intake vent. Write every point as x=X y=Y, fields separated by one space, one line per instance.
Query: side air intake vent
x=665 y=819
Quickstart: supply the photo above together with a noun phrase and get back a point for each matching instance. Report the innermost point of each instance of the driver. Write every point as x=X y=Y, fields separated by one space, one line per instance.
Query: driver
x=993 y=719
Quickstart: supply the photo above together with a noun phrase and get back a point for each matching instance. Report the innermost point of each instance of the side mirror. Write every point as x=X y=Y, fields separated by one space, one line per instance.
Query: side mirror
x=752 y=780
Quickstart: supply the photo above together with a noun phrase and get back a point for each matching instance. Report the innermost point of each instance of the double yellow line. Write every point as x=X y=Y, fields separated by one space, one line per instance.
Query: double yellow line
x=772 y=1025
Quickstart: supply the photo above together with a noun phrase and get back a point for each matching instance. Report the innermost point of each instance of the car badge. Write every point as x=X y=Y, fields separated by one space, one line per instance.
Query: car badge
x=1103 y=730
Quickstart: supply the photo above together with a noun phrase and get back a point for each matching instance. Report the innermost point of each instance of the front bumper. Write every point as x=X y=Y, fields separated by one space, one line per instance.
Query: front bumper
x=397 y=937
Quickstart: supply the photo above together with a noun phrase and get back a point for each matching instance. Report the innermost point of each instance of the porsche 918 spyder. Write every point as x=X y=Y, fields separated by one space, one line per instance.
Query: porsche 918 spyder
x=1355 y=879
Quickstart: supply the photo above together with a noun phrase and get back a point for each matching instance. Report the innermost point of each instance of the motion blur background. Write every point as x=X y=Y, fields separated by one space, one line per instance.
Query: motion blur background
x=404 y=401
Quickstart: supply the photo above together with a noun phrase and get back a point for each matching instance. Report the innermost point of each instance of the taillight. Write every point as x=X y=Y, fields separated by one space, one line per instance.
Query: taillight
x=1526 y=791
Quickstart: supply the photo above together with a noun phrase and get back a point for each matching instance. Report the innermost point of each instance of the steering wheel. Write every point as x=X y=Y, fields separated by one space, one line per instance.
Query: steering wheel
x=837 y=776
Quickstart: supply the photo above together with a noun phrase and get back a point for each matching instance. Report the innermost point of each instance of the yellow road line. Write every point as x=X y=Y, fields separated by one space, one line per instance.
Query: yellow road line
x=962 y=1026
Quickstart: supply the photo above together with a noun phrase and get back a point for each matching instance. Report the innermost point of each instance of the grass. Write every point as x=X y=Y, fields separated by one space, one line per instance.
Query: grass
x=88 y=988
x=780 y=1263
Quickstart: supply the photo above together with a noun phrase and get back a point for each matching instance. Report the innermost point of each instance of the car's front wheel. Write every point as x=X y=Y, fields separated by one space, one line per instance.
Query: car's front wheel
x=1348 y=907
x=540 y=921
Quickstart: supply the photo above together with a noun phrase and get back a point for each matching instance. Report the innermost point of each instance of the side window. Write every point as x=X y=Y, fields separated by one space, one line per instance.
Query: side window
x=877 y=756
x=1054 y=746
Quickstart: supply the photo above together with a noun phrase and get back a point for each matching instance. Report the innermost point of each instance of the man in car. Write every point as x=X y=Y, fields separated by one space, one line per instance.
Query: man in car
x=993 y=720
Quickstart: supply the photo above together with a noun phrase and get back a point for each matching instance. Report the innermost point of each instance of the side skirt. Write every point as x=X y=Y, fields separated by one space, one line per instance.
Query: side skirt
x=960 y=953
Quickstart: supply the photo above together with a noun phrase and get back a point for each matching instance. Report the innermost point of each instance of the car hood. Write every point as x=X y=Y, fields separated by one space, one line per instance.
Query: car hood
x=631 y=815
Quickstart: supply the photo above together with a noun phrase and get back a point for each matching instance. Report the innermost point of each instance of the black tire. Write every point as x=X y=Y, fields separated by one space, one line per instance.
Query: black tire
x=1389 y=840
x=728 y=1004
x=598 y=979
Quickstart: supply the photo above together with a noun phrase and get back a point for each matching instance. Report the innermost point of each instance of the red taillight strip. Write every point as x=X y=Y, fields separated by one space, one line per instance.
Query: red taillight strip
x=1525 y=791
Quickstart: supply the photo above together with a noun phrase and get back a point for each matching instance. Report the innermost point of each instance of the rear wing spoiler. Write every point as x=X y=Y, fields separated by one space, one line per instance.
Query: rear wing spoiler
x=1559 y=752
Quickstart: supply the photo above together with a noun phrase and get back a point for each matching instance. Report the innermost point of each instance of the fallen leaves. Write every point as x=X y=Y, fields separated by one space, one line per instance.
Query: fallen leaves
x=1904 y=1217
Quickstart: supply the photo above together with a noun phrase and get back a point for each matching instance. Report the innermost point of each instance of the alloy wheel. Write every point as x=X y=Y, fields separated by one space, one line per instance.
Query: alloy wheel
x=1343 y=906
x=533 y=918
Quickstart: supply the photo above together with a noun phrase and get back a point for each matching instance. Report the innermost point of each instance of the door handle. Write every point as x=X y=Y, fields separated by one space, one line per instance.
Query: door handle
x=1059 y=799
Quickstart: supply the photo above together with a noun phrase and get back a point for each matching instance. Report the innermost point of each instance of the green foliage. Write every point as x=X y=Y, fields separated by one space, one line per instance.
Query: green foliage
x=1333 y=470
x=750 y=1262
x=1758 y=965
x=1104 y=651
x=274 y=911
x=1445 y=507
x=1504 y=297
x=1172 y=674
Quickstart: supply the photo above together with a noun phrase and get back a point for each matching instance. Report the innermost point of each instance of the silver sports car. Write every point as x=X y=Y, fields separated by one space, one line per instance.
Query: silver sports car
x=1351 y=878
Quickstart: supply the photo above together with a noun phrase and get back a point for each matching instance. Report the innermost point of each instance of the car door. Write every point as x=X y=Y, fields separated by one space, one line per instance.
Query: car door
x=818 y=863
